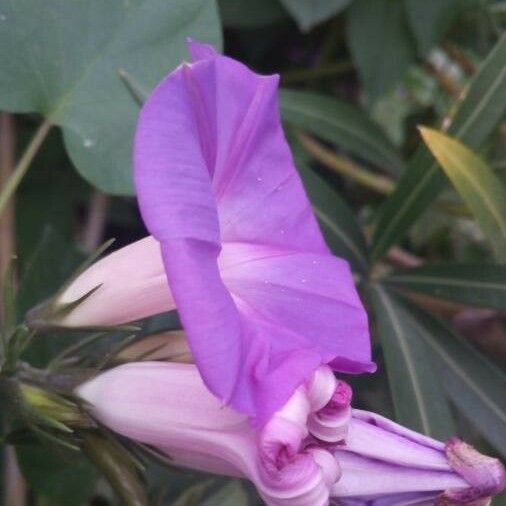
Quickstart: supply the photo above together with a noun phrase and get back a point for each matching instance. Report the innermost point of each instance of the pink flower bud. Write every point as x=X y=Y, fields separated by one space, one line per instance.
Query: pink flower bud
x=129 y=284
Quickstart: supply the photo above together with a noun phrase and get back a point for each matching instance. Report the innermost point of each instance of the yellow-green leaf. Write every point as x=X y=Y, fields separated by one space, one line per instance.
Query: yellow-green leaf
x=482 y=191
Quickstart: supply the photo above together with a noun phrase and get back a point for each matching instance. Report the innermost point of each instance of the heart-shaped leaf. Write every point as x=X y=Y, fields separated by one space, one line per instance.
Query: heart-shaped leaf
x=62 y=59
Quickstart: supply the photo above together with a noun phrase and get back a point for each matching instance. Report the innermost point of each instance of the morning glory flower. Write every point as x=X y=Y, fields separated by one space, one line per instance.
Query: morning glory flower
x=262 y=300
x=313 y=451
x=244 y=257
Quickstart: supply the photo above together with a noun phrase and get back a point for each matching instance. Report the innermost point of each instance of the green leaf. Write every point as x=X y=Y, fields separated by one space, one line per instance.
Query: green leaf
x=380 y=44
x=418 y=399
x=66 y=64
x=248 y=14
x=480 y=188
x=342 y=124
x=52 y=263
x=64 y=476
x=309 y=13
x=422 y=181
x=475 y=385
x=482 y=285
x=336 y=219
x=430 y=19
x=232 y=494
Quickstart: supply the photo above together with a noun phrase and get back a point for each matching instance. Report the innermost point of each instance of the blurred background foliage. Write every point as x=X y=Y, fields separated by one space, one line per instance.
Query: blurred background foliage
x=421 y=220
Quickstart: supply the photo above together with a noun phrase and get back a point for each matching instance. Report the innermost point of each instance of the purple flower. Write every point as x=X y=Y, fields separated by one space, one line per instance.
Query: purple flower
x=261 y=298
x=385 y=464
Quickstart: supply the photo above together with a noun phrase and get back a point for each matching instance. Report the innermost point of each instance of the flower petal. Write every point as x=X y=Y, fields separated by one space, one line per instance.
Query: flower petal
x=212 y=167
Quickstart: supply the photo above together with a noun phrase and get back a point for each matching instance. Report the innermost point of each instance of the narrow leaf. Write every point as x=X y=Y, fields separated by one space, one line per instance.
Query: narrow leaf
x=416 y=388
x=430 y=19
x=482 y=191
x=482 y=285
x=475 y=385
x=380 y=43
x=232 y=494
x=309 y=13
x=422 y=181
x=342 y=124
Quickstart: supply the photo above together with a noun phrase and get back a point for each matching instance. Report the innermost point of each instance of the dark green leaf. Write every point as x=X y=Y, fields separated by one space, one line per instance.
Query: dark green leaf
x=248 y=14
x=232 y=494
x=61 y=475
x=482 y=285
x=309 y=13
x=475 y=385
x=474 y=120
x=416 y=387
x=475 y=181
x=342 y=124
x=118 y=466
x=66 y=64
x=336 y=219
x=52 y=263
x=380 y=43
x=430 y=19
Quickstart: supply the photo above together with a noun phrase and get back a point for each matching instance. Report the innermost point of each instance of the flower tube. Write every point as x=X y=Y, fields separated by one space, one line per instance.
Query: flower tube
x=315 y=449
x=167 y=405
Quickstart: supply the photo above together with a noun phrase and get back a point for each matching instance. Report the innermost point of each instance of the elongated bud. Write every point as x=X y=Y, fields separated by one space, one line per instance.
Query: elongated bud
x=127 y=285
x=383 y=463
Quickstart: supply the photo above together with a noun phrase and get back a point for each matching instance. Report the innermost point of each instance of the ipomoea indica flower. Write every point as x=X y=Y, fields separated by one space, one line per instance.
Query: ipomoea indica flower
x=315 y=449
x=167 y=405
x=235 y=235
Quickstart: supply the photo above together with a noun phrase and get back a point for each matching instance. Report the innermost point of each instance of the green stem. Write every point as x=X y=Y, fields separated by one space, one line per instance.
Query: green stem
x=308 y=74
x=24 y=164
x=346 y=167
x=355 y=172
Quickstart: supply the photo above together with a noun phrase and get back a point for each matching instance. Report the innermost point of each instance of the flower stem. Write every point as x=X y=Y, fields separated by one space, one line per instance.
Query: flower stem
x=24 y=163
x=345 y=167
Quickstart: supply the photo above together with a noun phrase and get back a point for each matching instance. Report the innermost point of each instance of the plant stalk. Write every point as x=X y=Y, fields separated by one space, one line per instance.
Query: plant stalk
x=23 y=165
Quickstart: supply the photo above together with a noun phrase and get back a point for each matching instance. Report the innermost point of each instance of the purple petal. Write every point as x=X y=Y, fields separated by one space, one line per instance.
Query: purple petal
x=213 y=169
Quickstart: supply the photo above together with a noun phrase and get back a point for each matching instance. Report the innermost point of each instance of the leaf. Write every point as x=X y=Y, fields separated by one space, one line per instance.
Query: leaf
x=416 y=387
x=422 y=181
x=482 y=285
x=64 y=476
x=232 y=494
x=341 y=231
x=309 y=13
x=480 y=188
x=117 y=466
x=475 y=385
x=342 y=124
x=52 y=262
x=248 y=14
x=380 y=44
x=430 y=19
x=68 y=55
